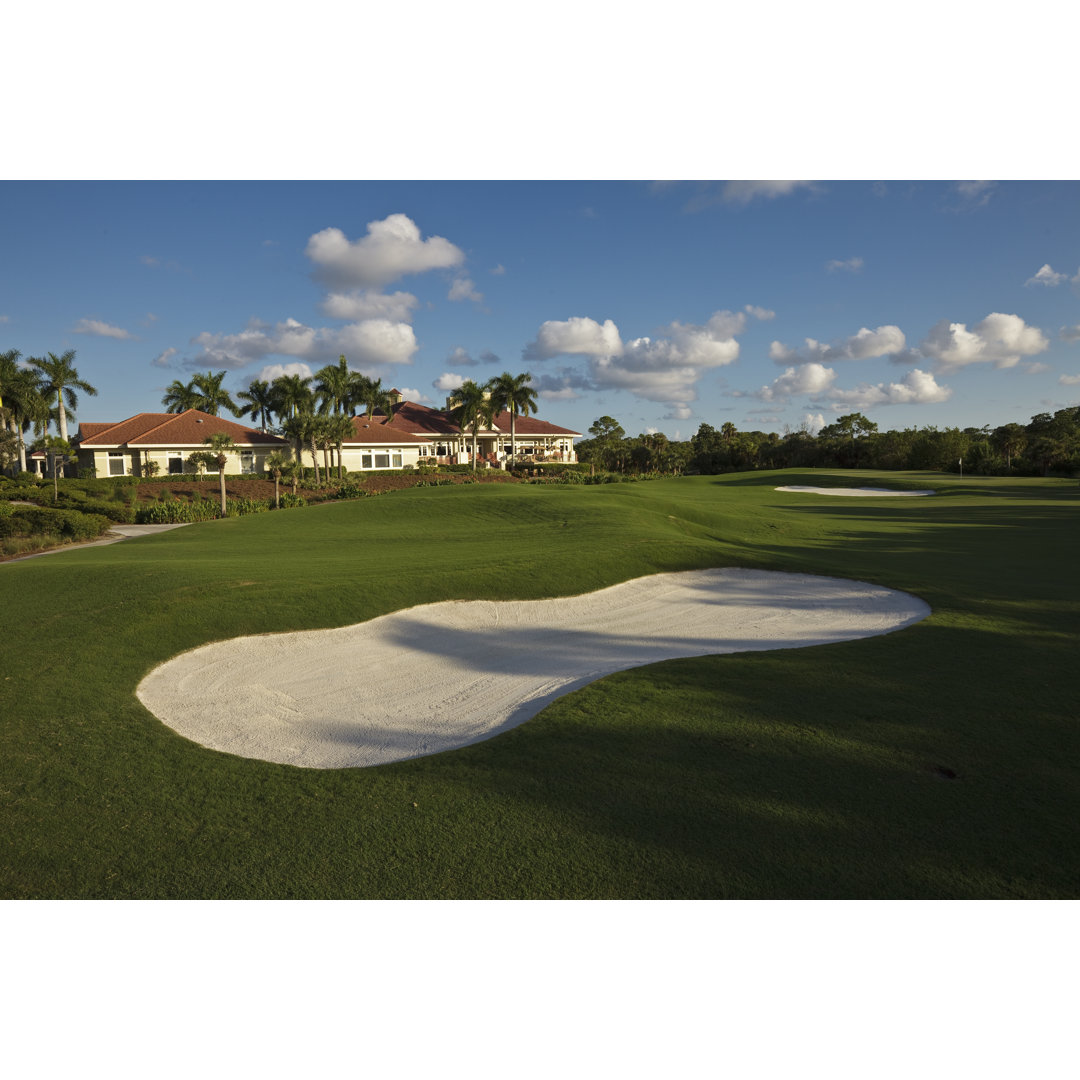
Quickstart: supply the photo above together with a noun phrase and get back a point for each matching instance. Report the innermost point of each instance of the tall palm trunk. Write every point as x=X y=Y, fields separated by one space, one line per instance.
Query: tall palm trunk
x=222 y=461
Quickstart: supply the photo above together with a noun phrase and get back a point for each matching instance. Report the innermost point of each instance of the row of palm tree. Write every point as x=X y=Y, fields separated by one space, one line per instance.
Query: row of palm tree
x=332 y=390
x=476 y=406
x=315 y=412
x=27 y=395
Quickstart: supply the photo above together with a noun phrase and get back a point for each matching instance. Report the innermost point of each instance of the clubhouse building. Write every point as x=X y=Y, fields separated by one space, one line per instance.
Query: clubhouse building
x=413 y=435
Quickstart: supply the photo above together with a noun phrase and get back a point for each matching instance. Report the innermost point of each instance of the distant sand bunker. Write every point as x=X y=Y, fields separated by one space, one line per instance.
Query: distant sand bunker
x=854 y=491
x=441 y=676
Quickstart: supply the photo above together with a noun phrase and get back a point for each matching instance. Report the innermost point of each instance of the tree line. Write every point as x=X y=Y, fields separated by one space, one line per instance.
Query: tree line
x=1048 y=444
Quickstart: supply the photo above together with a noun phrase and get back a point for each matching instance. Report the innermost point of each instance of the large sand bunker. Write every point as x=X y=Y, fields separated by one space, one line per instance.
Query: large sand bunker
x=441 y=676
x=853 y=491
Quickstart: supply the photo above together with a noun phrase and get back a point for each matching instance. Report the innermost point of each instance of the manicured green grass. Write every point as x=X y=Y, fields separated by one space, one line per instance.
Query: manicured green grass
x=941 y=761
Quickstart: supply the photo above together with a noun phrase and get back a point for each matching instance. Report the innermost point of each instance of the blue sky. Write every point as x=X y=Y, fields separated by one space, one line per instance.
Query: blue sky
x=665 y=305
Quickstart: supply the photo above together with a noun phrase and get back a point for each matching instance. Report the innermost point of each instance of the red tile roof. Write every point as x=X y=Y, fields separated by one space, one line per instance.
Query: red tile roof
x=189 y=428
x=375 y=431
x=420 y=420
x=529 y=425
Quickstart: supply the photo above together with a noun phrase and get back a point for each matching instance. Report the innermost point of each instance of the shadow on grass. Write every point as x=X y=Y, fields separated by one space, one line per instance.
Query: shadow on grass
x=835 y=782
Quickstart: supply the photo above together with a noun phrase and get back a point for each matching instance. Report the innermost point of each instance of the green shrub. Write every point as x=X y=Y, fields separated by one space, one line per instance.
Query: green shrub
x=239 y=506
x=178 y=513
x=289 y=500
x=67 y=525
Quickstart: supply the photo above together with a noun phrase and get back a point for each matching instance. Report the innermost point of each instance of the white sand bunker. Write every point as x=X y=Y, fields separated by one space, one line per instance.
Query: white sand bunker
x=854 y=491
x=441 y=676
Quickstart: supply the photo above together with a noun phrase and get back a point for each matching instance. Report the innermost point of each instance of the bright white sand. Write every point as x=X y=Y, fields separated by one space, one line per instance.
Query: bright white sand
x=854 y=491
x=441 y=676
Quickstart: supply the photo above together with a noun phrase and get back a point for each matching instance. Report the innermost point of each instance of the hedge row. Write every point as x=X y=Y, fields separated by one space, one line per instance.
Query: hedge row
x=69 y=526
x=175 y=512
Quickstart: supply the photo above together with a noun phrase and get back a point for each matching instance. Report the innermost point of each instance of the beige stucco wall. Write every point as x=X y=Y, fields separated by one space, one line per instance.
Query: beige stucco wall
x=133 y=459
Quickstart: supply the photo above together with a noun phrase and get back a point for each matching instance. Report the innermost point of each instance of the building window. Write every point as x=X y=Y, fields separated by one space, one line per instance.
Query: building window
x=382 y=461
x=176 y=464
x=247 y=461
x=365 y=461
x=116 y=464
x=396 y=461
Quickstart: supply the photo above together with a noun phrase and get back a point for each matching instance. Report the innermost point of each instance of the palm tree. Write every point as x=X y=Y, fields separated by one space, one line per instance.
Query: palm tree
x=292 y=394
x=276 y=463
x=512 y=393
x=334 y=387
x=213 y=396
x=21 y=402
x=379 y=400
x=219 y=442
x=59 y=377
x=9 y=370
x=339 y=430
x=180 y=397
x=304 y=429
x=259 y=401
x=360 y=388
x=472 y=410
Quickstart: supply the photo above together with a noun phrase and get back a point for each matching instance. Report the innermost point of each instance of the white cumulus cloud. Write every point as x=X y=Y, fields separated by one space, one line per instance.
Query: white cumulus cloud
x=576 y=336
x=275 y=371
x=411 y=394
x=665 y=369
x=915 y=388
x=764 y=314
x=370 y=304
x=101 y=329
x=811 y=379
x=999 y=339
x=464 y=288
x=1046 y=275
x=163 y=359
x=391 y=249
x=866 y=344
x=369 y=344
x=1069 y=380
x=449 y=381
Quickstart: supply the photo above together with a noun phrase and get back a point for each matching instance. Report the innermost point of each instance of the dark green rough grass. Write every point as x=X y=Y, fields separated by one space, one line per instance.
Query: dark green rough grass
x=938 y=762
